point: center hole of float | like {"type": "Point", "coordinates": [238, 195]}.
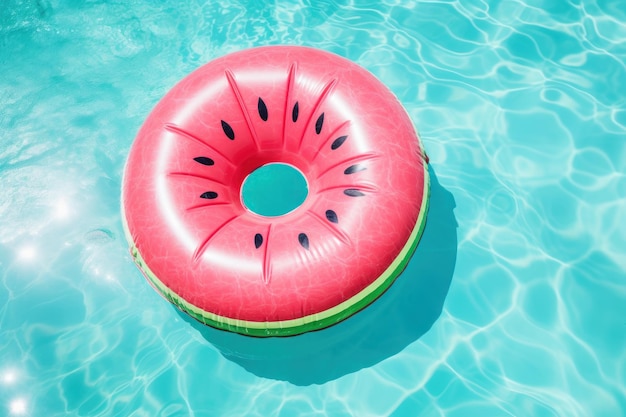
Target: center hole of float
{"type": "Point", "coordinates": [274, 190]}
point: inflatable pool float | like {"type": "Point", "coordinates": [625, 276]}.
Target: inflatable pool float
{"type": "Point", "coordinates": [231, 268]}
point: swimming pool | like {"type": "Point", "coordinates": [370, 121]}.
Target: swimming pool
{"type": "Point", "coordinates": [513, 305]}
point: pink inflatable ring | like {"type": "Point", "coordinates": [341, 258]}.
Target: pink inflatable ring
{"type": "Point", "coordinates": [228, 267]}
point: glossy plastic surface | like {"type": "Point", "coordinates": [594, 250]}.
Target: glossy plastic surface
{"type": "Point", "coordinates": [228, 267]}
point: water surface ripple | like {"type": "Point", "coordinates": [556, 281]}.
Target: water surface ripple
{"type": "Point", "coordinates": [522, 108]}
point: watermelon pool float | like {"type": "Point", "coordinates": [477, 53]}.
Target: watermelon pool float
{"type": "Point", "coordinates": [227, 266]}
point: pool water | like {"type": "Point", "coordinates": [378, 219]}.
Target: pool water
{"type": "Point", "coordinates": [513, 305]}
{"type": "Point", "coordinates": [274, 189]}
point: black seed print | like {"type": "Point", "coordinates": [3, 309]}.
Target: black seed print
{"type": "Point", "coordinates": [353, 192]}
{"type": "Point", "coordinates": [332, 216]}
{"type": "Point", "coordinates": [228, 130]}
{"type": "Point", "coordinates": [304, 240]}
{"type": "Point", "coordinates": [294, 112]}
{"type": "Point", "coordinates": [204, 160]}
{"type": "Point", "coordinates": [258, 240]}
{"type": "Point", "coordinates": [319, 123]}
{"type": "Point", "coordinates": [262, 109]}
{"type": "Point", "coordinates": [354, 168]}
{"type": "Point", "coordinates": [338, 142]}
{"type": "Point", "coordinates": [209, 195]}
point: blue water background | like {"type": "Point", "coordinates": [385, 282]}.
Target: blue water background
{"type": "Point", "coordinates": [514, 304]}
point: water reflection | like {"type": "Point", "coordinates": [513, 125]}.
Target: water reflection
{"type": "Point", "coordinates": [9, 377]}
{"type": "Point", "coordinates": [27, 253]}
{"type": "Point", "coordinates": [18, 406]}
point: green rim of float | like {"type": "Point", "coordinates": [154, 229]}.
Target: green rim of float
{"type": "Point", "coordinates": [304, 324]}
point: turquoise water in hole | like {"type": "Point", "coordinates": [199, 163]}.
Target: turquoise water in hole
{"type": "Point", "coordinates": [513, 305]}
{"type": "Point", "coordinates": [274, 190]}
